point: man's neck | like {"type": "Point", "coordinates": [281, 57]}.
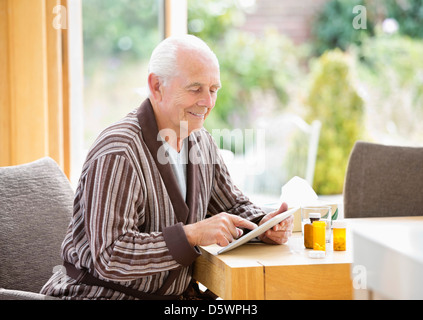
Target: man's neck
{"type": "Point", "coordinates": [174, 143]}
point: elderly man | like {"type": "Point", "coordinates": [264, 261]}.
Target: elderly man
{"type": "Point", "coordinates": [147, 185]}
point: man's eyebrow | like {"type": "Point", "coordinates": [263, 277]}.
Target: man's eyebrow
{"type": "Point", "coordinates": [199, 84]}
{"type": "Point", "coordinates": [193, 84]}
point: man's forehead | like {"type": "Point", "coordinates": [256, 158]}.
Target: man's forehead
{"type": "Point", "coordinates": [198, 68]}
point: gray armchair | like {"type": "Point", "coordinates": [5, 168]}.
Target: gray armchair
{"type": "Point", "coordinates": [36, 201]}
{"type": "Point", "coordinates": [383, 181]}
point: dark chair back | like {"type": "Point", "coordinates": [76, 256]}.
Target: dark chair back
{"type": "Point", "coordinates": [383, 181]}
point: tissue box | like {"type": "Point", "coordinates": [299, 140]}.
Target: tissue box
{"type": "Point", "coordinates": [297, 214]}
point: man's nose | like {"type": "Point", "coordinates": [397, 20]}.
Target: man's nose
{"type": "Point", "coordinates": [207, 100]}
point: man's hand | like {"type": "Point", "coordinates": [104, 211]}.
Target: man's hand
{"type": "Point", "coordinates": [280, 233]}
{"type": "Point", "coordinates": [221, 229]}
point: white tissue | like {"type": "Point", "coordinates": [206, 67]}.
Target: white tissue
{"type": "Point", "coordinates": [297, 192]}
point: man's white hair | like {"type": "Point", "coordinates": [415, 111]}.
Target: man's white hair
{"type": "Point", "coordinates": [163, 61]}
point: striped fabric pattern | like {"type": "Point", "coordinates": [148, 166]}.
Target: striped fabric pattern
{"type": "Point", "coordinates": [129, 212]}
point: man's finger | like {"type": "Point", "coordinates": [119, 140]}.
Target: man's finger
{"type": "Point", "coordinates": [242, 223]}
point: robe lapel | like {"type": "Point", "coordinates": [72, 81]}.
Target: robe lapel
{"type": "Point", "coordinates": [185, 212]}
{"type": "Point", "coordinates": [193, 183]}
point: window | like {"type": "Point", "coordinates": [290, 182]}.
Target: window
{"type": "Point", "coordinates": [119, 37]}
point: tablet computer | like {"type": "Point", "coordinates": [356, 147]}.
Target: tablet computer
{"type": "Point", "coordinates": [259, 230]}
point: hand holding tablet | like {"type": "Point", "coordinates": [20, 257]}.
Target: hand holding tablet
{"type": "Point", "coordinates": [279, 233]}
{"type": "Point", "coordinates": [258, 231]}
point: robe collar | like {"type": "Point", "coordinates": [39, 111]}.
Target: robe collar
{"type": "Point", "coordinates": [186, 212]}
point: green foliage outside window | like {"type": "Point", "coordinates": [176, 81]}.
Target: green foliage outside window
{"type": "Point", "coordinates": [333, 26]}
{"type": "Point", "coordinates": [408, 14]}
{"type": "Point", "coordinates": [388, 70]}
{"type": "Point", "coordinates": [334, 101]}
{"type": "Point", "coordinates": [119, 37]}
{"type": "Point", "coordinates": [391, 76]}
{"type": "Point", "coordinates": [124, 29]}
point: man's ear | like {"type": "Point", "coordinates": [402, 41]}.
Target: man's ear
{"type": "Point", "coordinates": [155, 86]}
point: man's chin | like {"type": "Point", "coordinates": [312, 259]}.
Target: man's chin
{"type": "Point", "coordinates": [195, 129]}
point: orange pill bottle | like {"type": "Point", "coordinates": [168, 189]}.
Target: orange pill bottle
{"type": "Point", "coordinates": [308, 230]}
{"type": "Point", "coordinates": [319, 235]}
{"type": "Point", "coordinates": [339, 228]}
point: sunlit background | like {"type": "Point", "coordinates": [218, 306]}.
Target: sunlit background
{"type": "Point", "coordinates": [312, 74]}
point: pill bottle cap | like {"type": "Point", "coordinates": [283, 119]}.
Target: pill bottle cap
{"type": "Point", "coordinates": [316, 254]}
{"type": "Point", "coordinates": [314, 215]}
{"type": "Point", "coordinates": [341, 224]}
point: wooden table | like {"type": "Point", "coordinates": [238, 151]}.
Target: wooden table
{"type": "Point", "coordinates": [261, 271]}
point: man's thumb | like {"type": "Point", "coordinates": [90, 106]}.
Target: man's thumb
{"type": "Point", "coordinates": [282, 208]}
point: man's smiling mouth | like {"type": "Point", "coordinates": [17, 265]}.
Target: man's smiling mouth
{"type": "Point", "coordinates": [198, 115]}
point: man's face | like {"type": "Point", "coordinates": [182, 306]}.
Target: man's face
{"type": "Point", "coordinates": [189, 97]}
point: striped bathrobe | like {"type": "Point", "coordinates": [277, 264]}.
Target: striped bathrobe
{"type": "Point", "coordinates": [127, 224]}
